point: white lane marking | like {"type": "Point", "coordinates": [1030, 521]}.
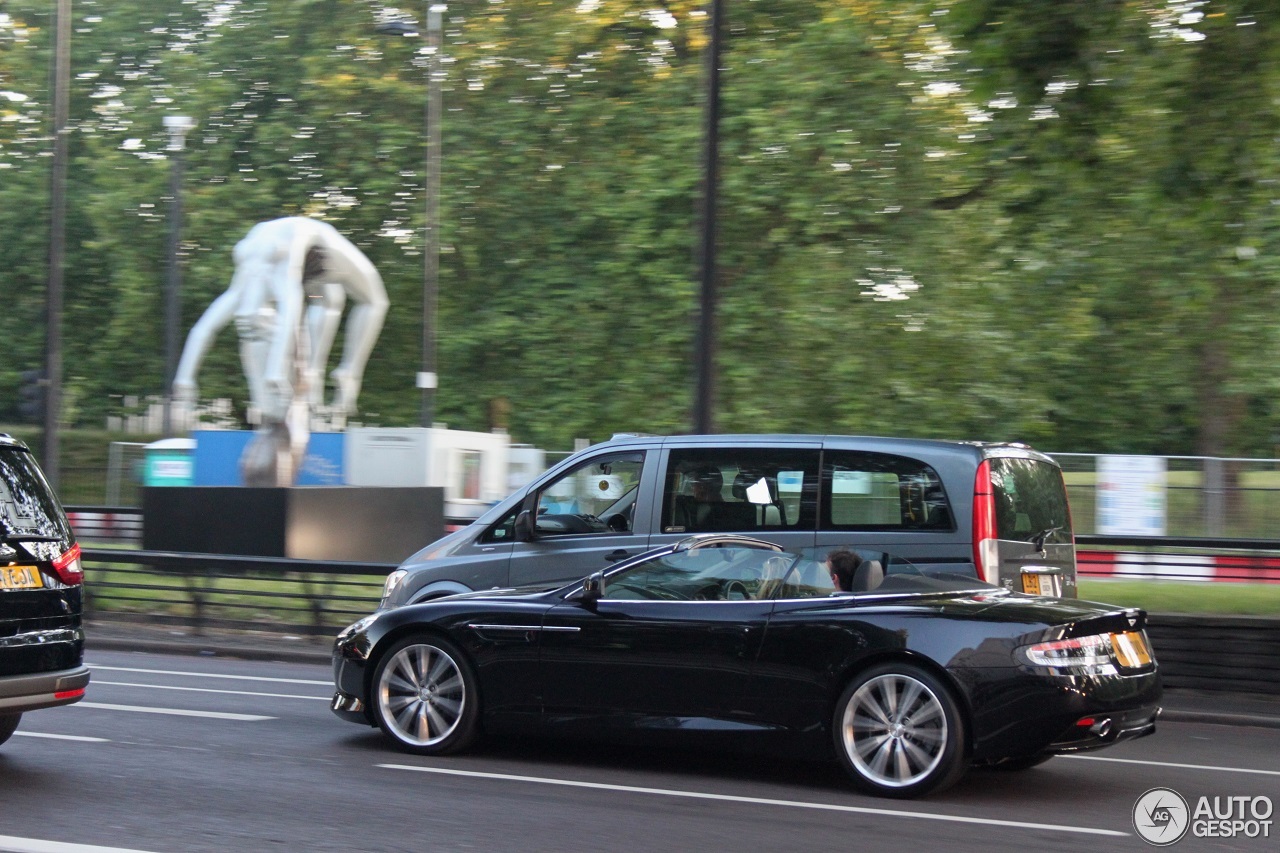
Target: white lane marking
{"type": "Point", "coordinates": [11, 844]}
{"type": "Point", "coordinates": [1173, 764]}
{"type": "Point", "coordinates": [176, 712]}
{"type": "Point", "coordinates": [795, 804]}
{"type": "Point", "coordinates": [62, 737]}
{"type": "Point", "coordinates": [209, 690]}
{"type": "Point", "coordinates": [95, 666]}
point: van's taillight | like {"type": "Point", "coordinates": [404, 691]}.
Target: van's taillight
{"type": "Point", "coordinates": [68, 567]}
{"type": "Point", "coordinates": [986, 554]}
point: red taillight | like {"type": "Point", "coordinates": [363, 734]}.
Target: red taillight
{"type": "Point", "coordinates": [69, 694]}
{"type": "Point", "coordinates": [68, 567]}
{"type": "Point", "coordinates": [984, 525]}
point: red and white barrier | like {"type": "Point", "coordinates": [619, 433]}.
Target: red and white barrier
{"type": "Point", "coordinates": [1178, 567]}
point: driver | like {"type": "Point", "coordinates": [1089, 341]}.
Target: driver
{"type": "Point", "coordinates": [843, 565]}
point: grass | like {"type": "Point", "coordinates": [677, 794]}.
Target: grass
{"type": "Point", "coordinates": [1238, 599]}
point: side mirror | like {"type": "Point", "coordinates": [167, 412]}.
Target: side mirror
{"type": "Point", "coordinates": [524, 527]}
{"type": "Point", "coordinates": [593, 589]}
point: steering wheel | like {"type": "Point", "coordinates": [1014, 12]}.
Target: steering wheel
{"type": "Point", "coordinates": [736, 591]}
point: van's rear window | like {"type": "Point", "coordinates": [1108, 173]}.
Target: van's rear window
{"type": "Point", "coordinates": [27, 505]}
{"type": "Point", "coordinates": [1031, 500]}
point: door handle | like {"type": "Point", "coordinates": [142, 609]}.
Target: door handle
{"type": "Point", "coordinates": [617, 555]}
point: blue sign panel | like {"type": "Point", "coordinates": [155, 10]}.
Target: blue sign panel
{"type": "Point", "coordinates": [217, 458]}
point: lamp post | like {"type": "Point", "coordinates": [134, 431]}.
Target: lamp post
{"type": "Point", "coordinates": [178, 127]}
{"type": "Point", "coordinates": [57, 243]}
{"type": "Point", "coordinates": [705, 344]}
{"type": "Point", "coordinates": [427, 378]}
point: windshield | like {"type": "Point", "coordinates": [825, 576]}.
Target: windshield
{"type": "Point", "coordinates": [1030, 501]}
{"type": "Point", "coordinates": [27, 506]}
{"type": "Point", "coordinates": [741, 572]}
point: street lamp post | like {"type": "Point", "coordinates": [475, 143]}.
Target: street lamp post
{"type": "Point", "coordinates": [57, 243]}
{"type": "Point", "coordinates": [704, 391]}
{"type": "Point", "coordinates": [178, 127]}
{"type": "Point", "coordinates": [431, 238]}
{"type": "Point", "coordinates": [427, 378]}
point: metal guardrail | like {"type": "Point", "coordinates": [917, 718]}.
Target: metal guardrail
{"type": "Point", "coordinates": [1179, 558]}
{"type": "Point", "coordinates": [226, 591]}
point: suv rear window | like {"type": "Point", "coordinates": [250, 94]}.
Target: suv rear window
{"type": "Point", "coordinates": [878, 491]}
{"type": "Point", "coordinates": [1030, 500]}
{"type": "Point", "coordinates": [27, 505]}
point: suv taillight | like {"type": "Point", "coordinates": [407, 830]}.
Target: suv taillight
{"type": "Point", "coordinates": [985, 546]}
{"type": "Point", "coordinates": [68, 567]}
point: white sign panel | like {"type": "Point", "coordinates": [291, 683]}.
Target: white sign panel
{"type": "Point", "coordinates": [1131, 495]}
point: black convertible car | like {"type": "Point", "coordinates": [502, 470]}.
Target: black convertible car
{"type": "Point", "coordinates": [909, 678]}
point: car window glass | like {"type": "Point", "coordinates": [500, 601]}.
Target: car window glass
{"type": "Point", "coordinates": [739, 490]}
{"type": "Point", "coordinates": [878, 491]}
{"type": "Point", "coordinates": [502, 530]}
{"type": "Point", "coordinates": [1030, 500]}
{"type": "Point", "coordinates": [27, 504]}
{"type": "Point", "coordinates": [597, 496]}
{"type": "Point", "coordinates": [702, 574]}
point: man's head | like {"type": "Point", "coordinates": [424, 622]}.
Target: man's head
{"type": "Point", "coordinates": [842, 565]}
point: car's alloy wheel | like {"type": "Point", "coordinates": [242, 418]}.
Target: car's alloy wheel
{"type": "Point", "coordinates": [899, 733]}
{"type": "Point", "coordinates": [8, 725]}
{"type": "Point", "coordinates": [424, 696]}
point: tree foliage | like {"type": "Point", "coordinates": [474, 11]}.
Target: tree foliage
{"type": "Point", "coordinates": [1050, 221]}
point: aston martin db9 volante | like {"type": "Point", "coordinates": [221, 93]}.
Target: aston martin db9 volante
{"type": "Point", "coordinates": [907, 678]}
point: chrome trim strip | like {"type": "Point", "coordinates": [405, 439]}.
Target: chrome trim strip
{"type": "Point", "coordinates": [523, 628]}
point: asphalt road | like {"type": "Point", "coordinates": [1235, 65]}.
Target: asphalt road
{"type": "Point", "coordinates": [173, 753]}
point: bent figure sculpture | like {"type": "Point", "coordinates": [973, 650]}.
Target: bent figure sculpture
{"type": "Point", "coordinates": [292, 278]}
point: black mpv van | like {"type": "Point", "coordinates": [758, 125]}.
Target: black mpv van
{"type": "Point", "coordinates": [995, 511]}
{"type": "Point", "coordinates": [41, 639]}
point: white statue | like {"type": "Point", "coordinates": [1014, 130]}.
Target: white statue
{"type": "Point", "coordinates": [292, 278]}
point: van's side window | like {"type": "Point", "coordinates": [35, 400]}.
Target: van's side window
{"type": "Point", "coordinates": [503, 530]}
{"type": "Point", "coordinates": [878, 491]}
{"type": "Point", "coordinates": [598, 496]}
{"type": "Point", "coordinates": [739, 490]}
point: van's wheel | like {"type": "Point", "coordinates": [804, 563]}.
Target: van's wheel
{"type": "Point", "coordinates": [899, 733]}
{"type": "Point", "coordinates": [425, 696]}
{"type": "Point", "coordinates": [8, 725]}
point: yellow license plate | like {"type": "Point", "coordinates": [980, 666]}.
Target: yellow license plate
{"type": "Point", "coordinates": [1131, 649]}
{"type": "Point", "coordinates": [20, 577]}
{"type": "Point", "coordinates": [1030, 584]}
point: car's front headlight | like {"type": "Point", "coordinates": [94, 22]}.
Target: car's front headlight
{"type": "Point", "coordinates": [391, 584]}
{"type": "Point", "coordinates": [356, 627]}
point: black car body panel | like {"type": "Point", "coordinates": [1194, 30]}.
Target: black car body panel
{"type": "Point", "coordinates": [770, 665]}
{"type": "Point", "coordinates": [41, 636]}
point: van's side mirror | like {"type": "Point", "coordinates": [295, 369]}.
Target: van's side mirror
{"type": "Point", "coordinates": [593, 589]}
{"type": "Point", "coordinates": [524, 529]}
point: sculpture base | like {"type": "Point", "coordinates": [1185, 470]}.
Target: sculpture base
{"type": "Point", "coordinates": [348, 524]}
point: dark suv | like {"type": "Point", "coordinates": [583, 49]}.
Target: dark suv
{"type": "Point", "coordinates": [995, 511]}
{"type": "Point", "coordinates": [41, 640]}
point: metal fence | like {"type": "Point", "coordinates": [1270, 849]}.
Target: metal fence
{"type": "Point", "coordinates": [220, 591]}
{"type": "Point", "coordinates": [1205, 496]}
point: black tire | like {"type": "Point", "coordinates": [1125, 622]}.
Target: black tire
{"type": "Point", "coordinates": [424, 696]}
{"type": "Point", "coordinates": [8, 725]}
{"type": "Point", "coordinates": [899, 733]}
